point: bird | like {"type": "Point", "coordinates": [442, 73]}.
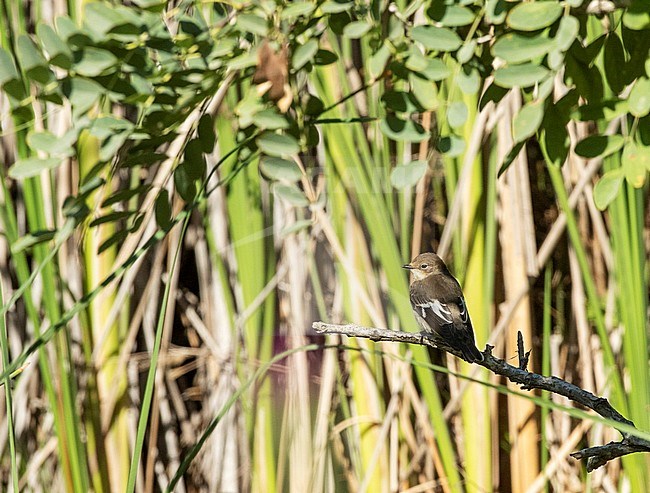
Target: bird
{"type": "Point", "coordinates": [439, 306]}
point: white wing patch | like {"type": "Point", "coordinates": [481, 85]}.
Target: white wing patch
{"type": "Point", "coordinates": [439, 309]}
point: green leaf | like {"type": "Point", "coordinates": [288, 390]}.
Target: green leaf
{"type": "Point", "coordinates": [527, 121]}
{"type": "Point", "coordinates": [613, 62]}
{"type": "Point", "coordinates": [400, 101]}
{"type": "Point", "coordinates": [185, 185]}
{"type": "Point", "coordinates": [277, 168]}
{"type": "Point", "coordinates": [517, 48]}
{"type": "Point", "coordinates": [510, 157]}
{"type": "Point", "coordinates": [33, 166]}
{"type": "Point", "coordinates": [524, 75]}
{"type": "Point", "coordinates": [297, 9]}
{"type": "Point", "coordinates": [51, 144]}
{"type": "Point", "coordinates": [436, 38]}
{"type": "Point", "coordinates": [95, 61]}
{"type": "Point", "coordinates": [291, 194]}
{"type": "Point", "coordinates": [424, 91]}
{"type": "Point", "coordinates": [111, 217]}
{"type": "Point", "coordinates": [206, 133]}
{"type": "Point", "coordinates": [567, 32]}
{"type": "Point", "coordinates": [378, 60]}
{"type": "Point", "coordinates": [531, 16]}
{"type": "Point", "coordinates": [103, 19]}
{"type": "Point", "coordinates": [607, 188]}
{"type": "Point", "coordinates": [163, 210]}
{"type": "Point", "coordinates": [554, 136]}
{"type": "Point", "coordinates": [241, 62]}
{"type": "Point", "coordinates": [194, 160]}
{"type": "Point", "coordinates": [32, 60]}
{"type": "Point", "coordinates": [607, 110]}
{"type": "Point", "coordinates": [356, 29]}
{"type": "Point", "coordinates": [278, 144]}
{"type": "Point", "coordinates": [451, 145]}
{"type": "Point", "coordinates": [469, 80]}
{"type": "Point", "coordinates": [270, 119]}
{"type": "Point", "coordinates": [637, 15]}
{"type": "Point", "coordinates": [435, 70]}
{"type": "Point", "coordinates": [334, 7]}
{"type": "Point", "coordinates": [599, 146]}
{"type": "Point", "coordinates": [252, 23]}
{"type": "Point", "coordinates": [118, 237]}
{"type": "Point", "coordinates": [397, 129]}
{"type": "Point", "coordinates": [416, 61]}
{"type": "Point", "coordinates": [81, 93]}
{"type": "Point", "coordinates": [57, 50]}
{"type": "Point", "coordinates": [407, 175]}
{"type": "Point", "coordinates": [8, 71]}
{"type": "Point", "coordinates": [457, 114]}
{"type": "Point", "coordinates": [639, 99]}
{"type": "Point", "coordinates": [30, 240]}
{"type": "Point", "coordinates": [450, 15]}
{"type": "Point", "coordinates": [466, 52]}
{"type": "Point", "coordinates": [635, 163]}
{"type": "Point", "coordinates": [304, 54]}
{"type": "Point", "coordinates": [495, 11]}
{"type": "Point", "coordinates": [325, 57]}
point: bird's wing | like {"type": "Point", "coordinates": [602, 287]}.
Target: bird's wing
{"type": "Point", "coordinates": [434, 312]}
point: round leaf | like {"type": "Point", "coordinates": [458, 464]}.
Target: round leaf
{"type": "Point", "coordinates": [436, 38]}
{"type": "Point", "coordinates": [636, 163]}
{"type": "Point", "coordinates": [524, 75]}
{"type": "Point", "coordinates": [278, 144]}
{"type": "Point", "coordinates": [527, 121]}
{"type": "Point", "coordinates": [398, 129]}
{"type": "Point", "coordinates": [640, 98]}
{"type": "Point", "coordinates": [163, 210]}
{"type": "Point", "coordinates": [599, 145]}
{"type": "Point", "coordinates": [451, 145]}
{"type": "Point", "coordinates": [407, 175]}
{"type": "Point", "coordinates": [354, 30]}
{"type": "Point", "coordinates": [95, 61]}
{"type": "Point", "coordinates": [607, 188]}
{"type": "Point", "coordinates": [567, 32]}
{"type": "Point", "coordinates": [33, 166]}
{"type": "Point", "coordinates": [277, 168]}
{"type": "Point", "coordinates": [291, 194]}
{"type": "Point", "coordinates": [435, 70]}
{"type": "Point", "coordinates": [297, 9]}
{"type": "Point", "coordinates": [457, 114]}
{"type": "Point", "coordinates": [517, 48]}
{"type": "Point", "coordinates": [450, 15]}
{"type": "Point", "coordinates": [304, 54]}
{"type": "Point", "coordinates": [531, 16]}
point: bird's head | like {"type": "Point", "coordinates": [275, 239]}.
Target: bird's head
{"type": "Point", "coordinates": [425, 264]}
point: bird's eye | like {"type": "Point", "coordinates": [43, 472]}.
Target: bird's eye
{"type": "Point", "coordinates": [424, 266]}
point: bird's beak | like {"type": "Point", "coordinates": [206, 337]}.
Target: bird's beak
{"type": "Point", "coordinates": [407, 266]}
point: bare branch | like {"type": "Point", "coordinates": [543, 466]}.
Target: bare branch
{"type": "Point", "coordinates": [595, 456]}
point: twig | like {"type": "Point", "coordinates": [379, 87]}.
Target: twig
{"type": "Point", "coordinates": [523, 355]}
{"type": "Point", "coordinates": [595, 456]}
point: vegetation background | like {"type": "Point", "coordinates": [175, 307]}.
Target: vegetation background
{"type": "Point", "coordinates": [187, 185]}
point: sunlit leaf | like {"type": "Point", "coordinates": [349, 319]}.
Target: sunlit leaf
{"type": "Point", "coordinates": [607, 188]}
{"type": "Point", "coordinates": [407, 175]}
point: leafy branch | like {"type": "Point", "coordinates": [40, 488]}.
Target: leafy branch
{"type": "Point", "coordinates": [595, 456]}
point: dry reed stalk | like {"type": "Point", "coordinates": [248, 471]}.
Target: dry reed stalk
{"type": "Point", "coordinates": [518, 252]}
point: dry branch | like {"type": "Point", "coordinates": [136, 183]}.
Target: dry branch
{"type": "Point", "coordinates": [595, 456]}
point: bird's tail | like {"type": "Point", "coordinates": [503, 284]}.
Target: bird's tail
{"type": "Point", "coordinates": [471, 353]}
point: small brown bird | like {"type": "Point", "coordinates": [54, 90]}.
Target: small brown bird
{"type": "Point", "coordinates": [439, 306]}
